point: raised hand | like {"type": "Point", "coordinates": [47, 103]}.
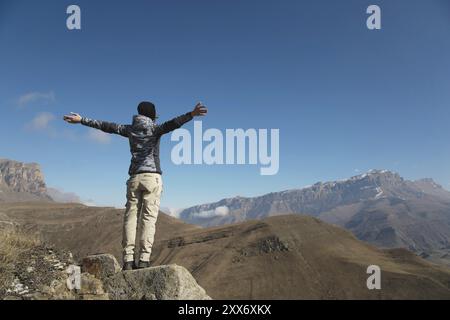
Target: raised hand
{"type": "Point", "coordinates": [72, 118]}
{"type": "Point", "coordinates": [199, 110]}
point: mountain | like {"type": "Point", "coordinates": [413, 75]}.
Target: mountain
{"type": "Point", "coordinates": [379, 207]}
{"type": "Point", "coordinates": [298, 257]}
{"type": "Point", "coordinates": [282, 257]}
{"type": "Point", "coordinates": [21, 182]}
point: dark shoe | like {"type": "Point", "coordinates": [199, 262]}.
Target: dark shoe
{"type": "Point", "coordinates": [143, 264]}
{"type": "Point", "coordinates": [128, 266]}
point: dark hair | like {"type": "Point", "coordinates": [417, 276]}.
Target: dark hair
{"type": "Point", "coordinates": [147, 109]}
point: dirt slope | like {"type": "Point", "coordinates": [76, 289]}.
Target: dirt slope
{"type": "Point", "coordinates": [282, 257]}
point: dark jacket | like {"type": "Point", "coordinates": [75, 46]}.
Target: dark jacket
{"type": "Point", "coordinates": [144, 135]}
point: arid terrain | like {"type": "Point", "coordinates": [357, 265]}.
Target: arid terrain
{"type": "Point", "coordinates": [282, 257]}
{"type": "Point", "coordinates": [379, 207]}
{"type": "Point", "coordinates": [272, 247]}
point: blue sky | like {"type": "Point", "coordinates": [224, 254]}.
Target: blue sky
{"type": "Point", "coordinates": [346, 99]}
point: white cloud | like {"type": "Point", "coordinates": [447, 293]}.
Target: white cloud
{"type": "Point", "coordinates": [174, 212]}
{"type": "Point", "coordinates": [59, 195]}
{"type": "Point", "coordinates": [91, 203]}
{"type": "Point", "coordinates": [35, 97]}
{"type": "Point", "coordinates": [99, 136]}
{"type": "Point", "coordinates": [41, 121]}
{"type": "Point", "coordinates": [217, 212]}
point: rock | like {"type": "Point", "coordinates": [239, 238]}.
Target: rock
{"type": "Point", "coordinates": [102, 279]}
{"type": "Point", "coordinates": [169, 282]}
{"type": "Point", "coordinates": [91, 288]}
{"type": "Point", "coordinates": [36, 296]}
{"type": "Point", "coordinates": [22, 177]}
{"type": "Point", "coordinates": [101, 266]}
{"type": "Point", "coordinates": [58, 291]}
{"type": "Point", "coordinates": [12, 298]}
{"type": "Point", "coordinates": [157, 283]}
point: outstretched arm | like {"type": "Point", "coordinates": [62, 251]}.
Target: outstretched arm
{"type": "Point", "coordinates": [175, 123]}
{"type": "Point", "coordinates": [108, 127]}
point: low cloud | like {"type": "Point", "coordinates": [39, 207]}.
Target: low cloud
{"type": "Point", "coordinates": [59, 195]}
{"type": "Point", "coordinates": [99, 136]}
{"type": "Point", "coordinates": [217, 212]}
{"type": "Point", "coordinates": [91, 203]}
{"type": "Point", "coordinates": [32, 97]}
{"type": "Point", "coordinates": [174, 212]}
{"type": "Point", "coordinates": [41, 121]}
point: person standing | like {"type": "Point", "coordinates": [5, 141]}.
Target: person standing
{"type": "Point", "coordinates": [144, 187]}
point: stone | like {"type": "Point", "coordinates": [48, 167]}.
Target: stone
{"type": "Point", "coordinates": [58, 291]}
{"type": "Point", "coordinates": [12, 298]}
{"type": "Point", "coordinates": [101, 266]}
{"type": "Point", "coordinates": [167, 282]}
{"type": "Point", "coordinates": [23, 177]}
{"type": "Point", "coordinates": [103, 279]}
{"type": "Point", "coordinates": [91, 288]}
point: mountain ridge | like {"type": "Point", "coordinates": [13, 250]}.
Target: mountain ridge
{"type": "Point", "coordinates": [352, 178]}
{"type": "Point", "coordinates": [24, 182]}
{"type": "Point", "coordinates": [379, 206]}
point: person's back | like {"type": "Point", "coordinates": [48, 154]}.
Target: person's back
{"type": "Point", "coordinates": [144, 186]}
{"type": "Point", "coordinates": [144, 146]}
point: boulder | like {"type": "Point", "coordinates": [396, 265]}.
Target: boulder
{"type": "Point", "coordinates": [101, 266]}
{"type": "Point", "coordinates": [167, 282]}
{"type": "Point", "coordinates": [91, 288]}
{"type": "Point", "coordinates": [101, 279]}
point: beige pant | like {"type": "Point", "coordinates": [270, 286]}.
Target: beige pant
{"type": "Point", "coordinates": [143, 194]}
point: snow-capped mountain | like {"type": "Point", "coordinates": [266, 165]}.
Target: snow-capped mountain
{"type": "Point", "coordinates": [379, 206]}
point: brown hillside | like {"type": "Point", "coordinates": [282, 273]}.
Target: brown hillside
{"type": "Point", "coordinates": [283, 257]}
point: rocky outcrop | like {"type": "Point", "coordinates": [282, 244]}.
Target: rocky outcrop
{"type": "Point", "coordinates": [101, 266]}
{"type": "Point", "coordinates": [22, 178]}
{"type": "Point", "coordinates": [166, 282]}
{"type": "Point", "coordinates": [169, 282]}
{"type": "Point", "coordinates": [101, 278]}
{"type": "Point", "coordinates": [24, 182]}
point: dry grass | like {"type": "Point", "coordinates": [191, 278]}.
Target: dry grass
{"type": "Point", "coordinates": [13, 243]}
